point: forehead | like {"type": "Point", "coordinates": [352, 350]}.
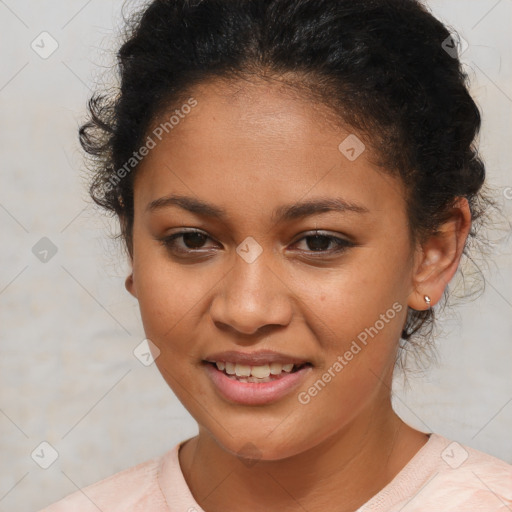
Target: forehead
{"type": "Point", "coordinates": [263, 114]}
{"type": "Point", "coordinates": [250, 145]}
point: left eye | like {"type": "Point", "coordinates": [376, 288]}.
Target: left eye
{"type": "Point", "coordinates": [319, 243]}
{"type": "Point", "coordinates": [194, 240]}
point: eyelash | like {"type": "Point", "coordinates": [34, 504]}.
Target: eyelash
{"type": "Point", "coordinates": [169, 242]}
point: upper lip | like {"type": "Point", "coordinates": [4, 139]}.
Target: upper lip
{"type": "Point", "coordinates": [254, 358]}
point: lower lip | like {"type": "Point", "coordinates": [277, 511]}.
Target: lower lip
{"type": "Point", "coordinates": [252, 393]}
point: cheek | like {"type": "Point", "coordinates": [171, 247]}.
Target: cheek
{"type": "Point", "coordinates": [354, 296]}
{"type": "Point", "coordinates": [166, 294]}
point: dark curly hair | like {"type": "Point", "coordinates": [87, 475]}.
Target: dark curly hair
{"type": "Point", "coordinates": [383, 67]}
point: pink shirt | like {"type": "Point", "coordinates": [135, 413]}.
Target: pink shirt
{"type": "Point", "coordinates": [443, 476]}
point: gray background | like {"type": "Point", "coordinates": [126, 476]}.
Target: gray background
{"type": "Point", "coordinates": [68, 375]}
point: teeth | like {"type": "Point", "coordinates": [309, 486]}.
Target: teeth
{"type": "Point", "coordinates": [259, 372]}
{"type": "Point", "coordinates": [242, 370]}
{"type": "Point", "coordinates": [276, 368]}
{"type": "Point", "coordinates": [230, 368]}
{"type": "Point", "coordinates": [252, 379]}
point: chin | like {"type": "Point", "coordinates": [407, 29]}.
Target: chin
{"type": "Point", "coordinates": [252, 447]}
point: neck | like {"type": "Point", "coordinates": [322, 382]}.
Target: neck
{"type": "Point", "coordinates": [348, 468]}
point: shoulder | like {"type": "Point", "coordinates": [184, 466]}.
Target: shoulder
{"type": "Point", "coordinates": [134, 489]}
{"type": "Point", "coordinates": [467, 479]}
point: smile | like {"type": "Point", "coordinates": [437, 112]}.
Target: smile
{"type": "Point", "coordinates": [256, 374]}
{"type": "Point", "coordinates": [268, 379]}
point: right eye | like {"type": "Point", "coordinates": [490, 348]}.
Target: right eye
{"type": "Point", "coordinates": [192, 240]}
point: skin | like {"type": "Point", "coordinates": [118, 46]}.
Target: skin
{"type": "Point", "coordinates": [249, 148]}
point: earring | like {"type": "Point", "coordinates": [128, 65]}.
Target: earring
{"type": "Point", "coordinates": [427, 300]}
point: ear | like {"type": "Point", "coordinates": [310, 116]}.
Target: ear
{"type": "Point", "coordinates": [439, 256]}
{"type": "Point", "coordinates": [129, 282]}
{"type": "Point", "coordinates": [130, 285]}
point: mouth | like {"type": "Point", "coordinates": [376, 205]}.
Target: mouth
{"type": "Point", "coordinates": [269, 377]}
{"type": "Point", "coordinates": [256, 374]}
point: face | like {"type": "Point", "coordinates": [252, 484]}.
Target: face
{"type": "Point", "coordinates": [267, 277]}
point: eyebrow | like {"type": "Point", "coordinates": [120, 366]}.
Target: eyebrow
{"type": "Point", "coordinates": [282, 214]}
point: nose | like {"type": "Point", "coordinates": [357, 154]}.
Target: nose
{"type": "Point", "coordinates": [251, 298]}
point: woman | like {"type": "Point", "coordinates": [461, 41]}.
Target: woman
{"type": "Point", "coordinates": [296, 182]}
